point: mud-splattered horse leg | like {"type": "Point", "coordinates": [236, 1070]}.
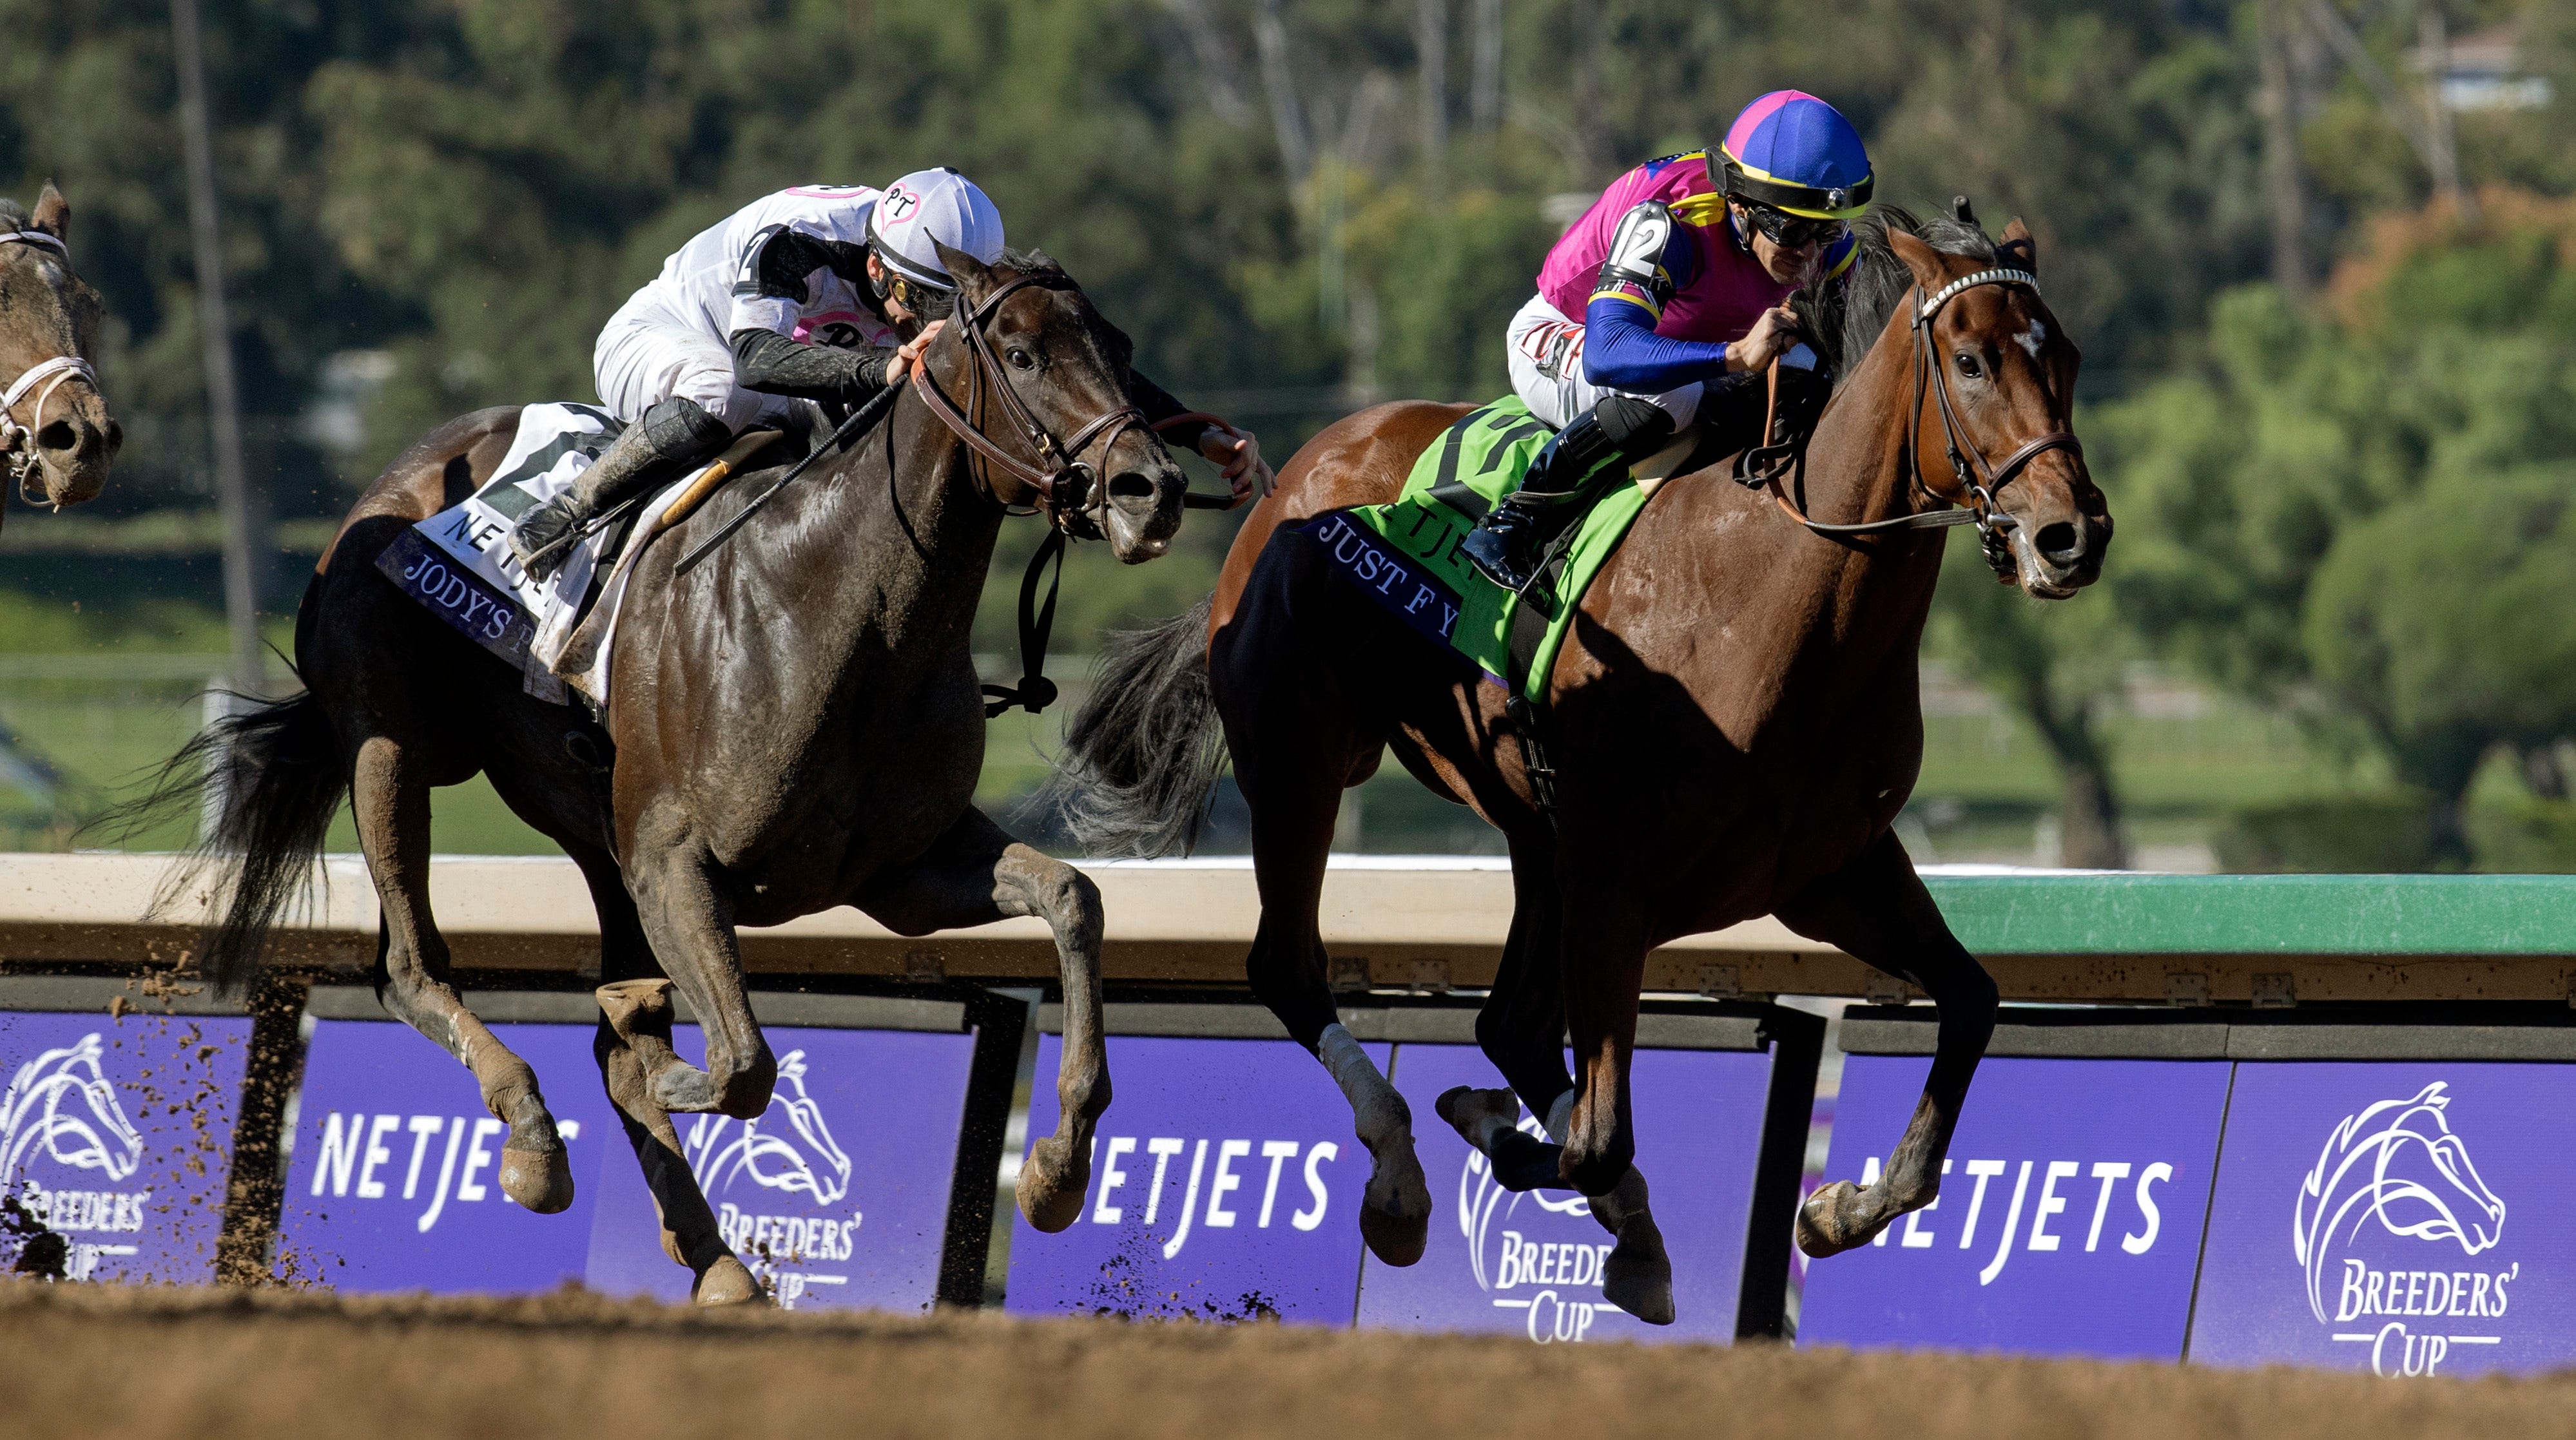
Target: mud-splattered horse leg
{"type": "Point", "coordinates": [1521, 1029]}
{"type": "Point", "coordinates": [389, 792]}
{"type": "Point", "coordinates": [977, 874]}
{"type": "Point", "coordinates": [633, 1040]}
{"type": "Point", "coordinates": [1877, 910]}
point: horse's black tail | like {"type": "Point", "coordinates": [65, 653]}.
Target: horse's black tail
{"type": "Point", "coordinates": [1143, 754]}
{"type": "Point", "coordinates": [268, 780]}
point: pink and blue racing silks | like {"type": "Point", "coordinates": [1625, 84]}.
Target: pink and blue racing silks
{"type": "Point", "coordinates": [1661, 279]}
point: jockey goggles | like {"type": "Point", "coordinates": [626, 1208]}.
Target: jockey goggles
{"type": "Point", "coordinates": [1792, 232]}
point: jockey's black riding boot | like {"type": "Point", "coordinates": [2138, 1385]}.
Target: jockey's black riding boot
{"type": "Point", "coordinates": [673, 433]}
{"type": "Point", "coordinates": [1506, 544]}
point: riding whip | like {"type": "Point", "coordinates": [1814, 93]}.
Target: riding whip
{"type": "Point", "coordinates": [859, 421]}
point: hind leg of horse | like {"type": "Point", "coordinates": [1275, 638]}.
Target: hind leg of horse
{"type": "Point", "coordinates": [689, 922]}
{"type": "Point", "coordinates": [1294, 750]}
{"type": "Point", "coordinates": [1877, 910]}
{"type": "Point", "coordinates": [389, 793]}
{"type": "Point", "coordinates": [1522, 1029]}
{"type": "Point", "coordinates": [974, 875]}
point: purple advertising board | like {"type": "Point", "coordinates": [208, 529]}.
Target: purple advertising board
{"type": "Point", "coordinates": [836, 1197]}
{"type": "Point", "coordinates": [393, 1184]}
{"type": "Point", "coordinates": [2070, 1215]}
{"type": "Point", "coordinates": [2389, 1217]}
{"type": "Point", "coordinates": [1225, 1184]}
{"type": "Point", "coordinates": [115, 1141]}
{"type": "Point", "coordinates": [1530, 1264]}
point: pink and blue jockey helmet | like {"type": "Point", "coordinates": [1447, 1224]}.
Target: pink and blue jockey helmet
{"type": "Point", "coordinates": [1793, 152]}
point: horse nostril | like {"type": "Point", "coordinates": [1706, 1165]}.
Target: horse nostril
{"type": "Point", "coordinates": [1132, 490]}
{"type": "Point", "coordinates": [59, 435]}
{"type": "Point", "coordinates": [2061, 542]}
{"type": "Point", "coordinates": [115, 437]}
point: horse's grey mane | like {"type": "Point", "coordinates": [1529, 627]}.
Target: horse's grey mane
{"type": "Point", "coordinates": [1848, 317]}
{"type": "Point", "coordinates": [13, 216]}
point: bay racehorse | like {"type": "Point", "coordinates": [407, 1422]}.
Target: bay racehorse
{"type": "Point", "coordinates": [795, 725]}
{"type": "Point", "coordinates": [55, 432]}
{"type": "Point", "coordinates": [1733, 724]}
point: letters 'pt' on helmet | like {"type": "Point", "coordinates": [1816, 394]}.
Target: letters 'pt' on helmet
{"type": "Point", "coordinates": [929, 205]}
{"type": "Point", "coordinates": [1793, 152]}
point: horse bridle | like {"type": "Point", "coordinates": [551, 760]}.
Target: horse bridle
{"type": "Point", "coordinates": [1766, 465]}
{"type": "Point", "coordinates": [1067, 486]}
{"type": "Point", "coordinates": [17, 441]}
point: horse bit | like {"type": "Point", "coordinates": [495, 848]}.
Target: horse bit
{"type": "Point", "coordinates": [17, 441]}
{"type": "Point", "coordinates": [1766, 465]}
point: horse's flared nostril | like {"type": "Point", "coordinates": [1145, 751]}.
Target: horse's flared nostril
{"type": "Point", "coordinates": [1132, 491]}
{"type": "Point", "coordinates": [2062, 543]}
{"type": "Point", "coordinates": [60, 436]}
{"type": "Point", "coordinates": [115, 437]}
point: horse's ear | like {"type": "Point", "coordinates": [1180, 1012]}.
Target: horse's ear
{"type": "Point", "coordinates": [2019, 250]}
{"type": "Point", "coordinates": [974, 278]}
{"type": "Point", "coordinates": [54, 214]}
{"type": "Point", "coordinates": [1920, 258]}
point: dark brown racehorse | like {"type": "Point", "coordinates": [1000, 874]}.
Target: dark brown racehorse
{"type": "Point", "coordinates": [55, 432]}
{"type": "Point", "coordinates": [796, 725]}
{"type": "Point", "coordinates": [1734, 723]}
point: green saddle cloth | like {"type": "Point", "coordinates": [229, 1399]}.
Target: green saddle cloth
{"type": "Point", "coordinates": [1405, 553]}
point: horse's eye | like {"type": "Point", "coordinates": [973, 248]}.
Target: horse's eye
{"type": "Point", "coordinates": [1021, 358]}
{"type": "Point", "coordinates": [1968, 365]}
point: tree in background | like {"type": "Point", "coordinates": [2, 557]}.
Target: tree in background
{"type": "Point", "coordinates": [2360, 512]}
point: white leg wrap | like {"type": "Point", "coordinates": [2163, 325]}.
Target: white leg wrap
{"type": "Point", "coordinates": [1374, 1104]}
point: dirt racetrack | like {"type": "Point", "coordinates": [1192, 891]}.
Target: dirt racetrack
{"type": "Point", "coordinates": [98, 1363]}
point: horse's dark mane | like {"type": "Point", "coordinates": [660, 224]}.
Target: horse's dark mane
{"type": "Point", "coordinates": [1846, 318]}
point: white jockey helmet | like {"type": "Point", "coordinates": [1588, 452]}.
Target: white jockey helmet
{"type": "Point", "coordinates": [929, 205]}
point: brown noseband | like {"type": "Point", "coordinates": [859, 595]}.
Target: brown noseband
{"type": "Point", "coordinates": [1065, 485]}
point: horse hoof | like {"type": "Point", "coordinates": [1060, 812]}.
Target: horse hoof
{"type": "Point", "coordinates": [541, 1180]}
{"type": "Point", "coordinates": [1830, 1222]}
{"type": "Point", "coordinates": [1638, 1277]}
{"type": "Point", "coordinates": [681, 1088]}
{"type": "Point", "coordinates": [727, 1282]}
{"type": "Point", "coordinates": [1470, 1111]}
{"type": "Point", "coordinates": [1051, 1185]}
{"type": "Point", "coordinates": [1395, 1215]}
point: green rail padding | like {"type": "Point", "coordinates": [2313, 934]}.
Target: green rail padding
{"type": "Point", "coordinates": [2260, 914]}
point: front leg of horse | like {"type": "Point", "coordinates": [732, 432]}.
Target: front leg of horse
{"type": "Point", "coordinates": [1638, 1275]}
{"type": "Point", "coordinates": [1877, 911]}
{"type": "Point", "coordinates": [633, 1043]}
{"type": "Point", "coordinates": [976, 874]}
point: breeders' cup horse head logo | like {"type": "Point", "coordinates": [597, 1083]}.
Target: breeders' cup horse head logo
{"type": "Point", "coordinates": [2399, 1164]}
{"type": "Point", "coordinates": [61, 1107]}
{"type": "Point", "coordinates": [1481, 1201]}
{"type": "Point", "coordinates": [812, 1163]}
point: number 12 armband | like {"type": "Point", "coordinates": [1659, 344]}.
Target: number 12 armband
{"type": "Point", "coordinates": [1638, 268]}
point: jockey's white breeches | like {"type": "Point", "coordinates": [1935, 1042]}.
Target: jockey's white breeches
{"type": "Point", "coordinates": [648, 355]}
{"type": "Point", "coordinates": [1546, 358]}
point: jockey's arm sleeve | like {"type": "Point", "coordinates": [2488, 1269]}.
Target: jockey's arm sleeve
{"type": "Point", "coordinates": [1621, 351]}
{"type": "Point", "coordinates": [772, 364]}
{"type": "Point", "coordinates": [1158, 405]}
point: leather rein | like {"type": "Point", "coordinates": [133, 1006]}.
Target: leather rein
{"type": "Point", "coordinates": [1066, 486]}
{"type": "Point", "coordinates": [1768, 464]}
